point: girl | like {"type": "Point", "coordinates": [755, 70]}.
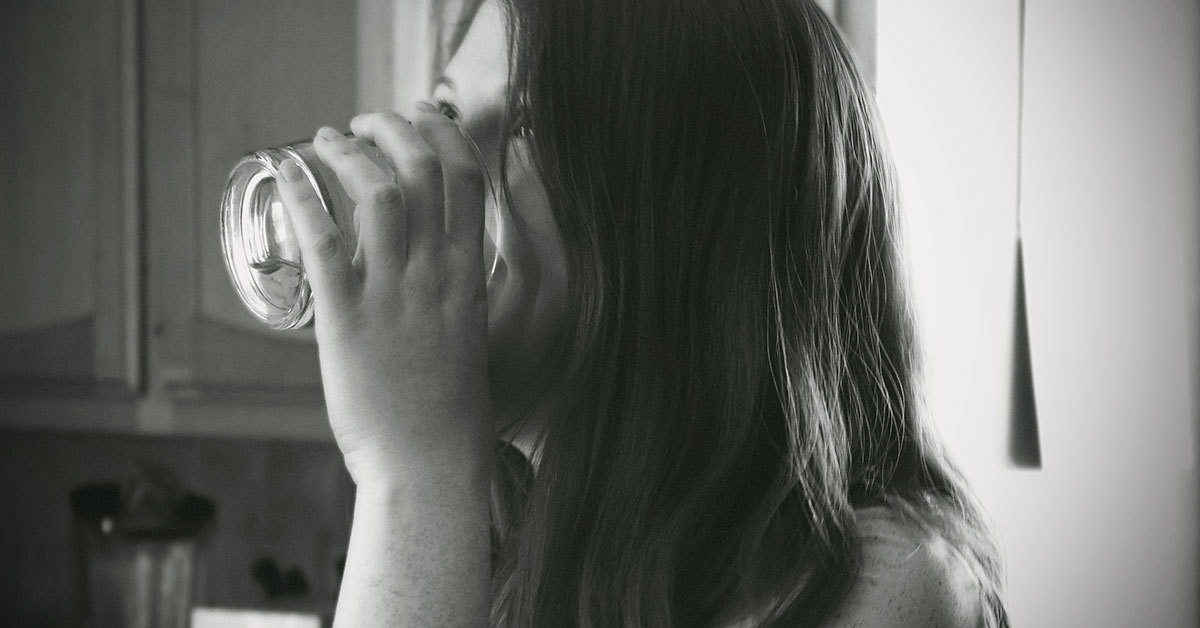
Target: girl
{"type": "Point", "coordinates": [696, 339]}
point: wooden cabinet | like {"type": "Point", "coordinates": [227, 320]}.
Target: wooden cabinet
{"type": "Point", "coordinates": [121, 121]}
{"type": "Point", "coordinates": [224, 78]}
{"type": "Point", "coordinates": [69, 247]}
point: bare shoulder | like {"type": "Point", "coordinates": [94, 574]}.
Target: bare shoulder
{"type": "Point", "coordinates": [909, 576]}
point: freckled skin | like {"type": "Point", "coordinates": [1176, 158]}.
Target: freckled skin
{"type": "Point", "coordinates": [909, 578]}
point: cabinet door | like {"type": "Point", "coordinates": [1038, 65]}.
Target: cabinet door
{"type": "Point", "coordinates": [68, 196]}
{"type": "Point", "coordinates": [223, 78]}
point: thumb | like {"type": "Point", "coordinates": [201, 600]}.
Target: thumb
{"type": "Point", "coordinates": [323, 248]}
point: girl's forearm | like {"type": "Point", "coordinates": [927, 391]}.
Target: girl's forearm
{"type": "Point", "coordinates": [419, 552]}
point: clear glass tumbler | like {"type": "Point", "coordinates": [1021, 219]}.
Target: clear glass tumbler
{"type": "Point", "coordinates": [259, 245]}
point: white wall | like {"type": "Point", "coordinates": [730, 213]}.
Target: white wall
{"type": "Point", "coordinates": [1106, 533]}
{"type": "Point", "coordinates": [403, 45]}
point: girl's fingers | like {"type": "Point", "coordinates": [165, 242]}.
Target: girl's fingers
{"type": "Point", "coordinates": [418, 171]}
{"type": "Point", "coordinates": [322, 247]}
{"type": "Point", "coordinates": [465, 180]}
{"type": "Point", "coordinates": [380, 203]}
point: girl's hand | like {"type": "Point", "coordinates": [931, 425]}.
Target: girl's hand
{"type": "Point", "coordinates": [401, 323]}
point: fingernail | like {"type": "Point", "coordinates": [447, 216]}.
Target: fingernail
{"type": "Point", "coordinates": [290, 171]}
{"type": "Point", "coordinates": [427, 107]}
{"type": "Point", "coordinates": [327, 133]}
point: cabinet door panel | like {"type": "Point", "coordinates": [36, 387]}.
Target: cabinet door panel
{"type": "Point", "coordinates": [223, 79]}
{"type": "Point", "coordinates": [267, 73]}
{"type": "Point", "coordinates": [68, 248]}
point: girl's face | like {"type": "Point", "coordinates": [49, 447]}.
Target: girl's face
{"type": "Point", "coordinates": [527, 291]}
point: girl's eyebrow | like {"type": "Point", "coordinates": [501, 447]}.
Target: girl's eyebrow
{"type": "Point", "coordinates": [446, 81]}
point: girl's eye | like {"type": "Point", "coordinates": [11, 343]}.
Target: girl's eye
{"type": "Point", "coordinates": [447, 109]}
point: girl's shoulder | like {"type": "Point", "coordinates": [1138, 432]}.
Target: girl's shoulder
{"type": "Point", "coordinates": [910, 575]}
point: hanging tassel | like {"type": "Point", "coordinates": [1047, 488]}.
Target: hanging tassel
{"type": "Point", "coordinates": [1024, 443]}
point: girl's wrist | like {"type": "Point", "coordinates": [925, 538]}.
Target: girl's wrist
{"type": "Point", "coordinates": [420, 547]}
{"type": "Point", "coordinates": [463, 467]}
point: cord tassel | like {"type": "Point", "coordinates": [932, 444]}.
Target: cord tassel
{"type": "Point", "coordinates": [1024, 443]}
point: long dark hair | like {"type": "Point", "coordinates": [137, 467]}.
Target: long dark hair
{"type": "Point", "coordinates": [743, 364]}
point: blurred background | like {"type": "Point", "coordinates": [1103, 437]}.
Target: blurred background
{"type": "Point", "coordinates": [1065, 384]}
